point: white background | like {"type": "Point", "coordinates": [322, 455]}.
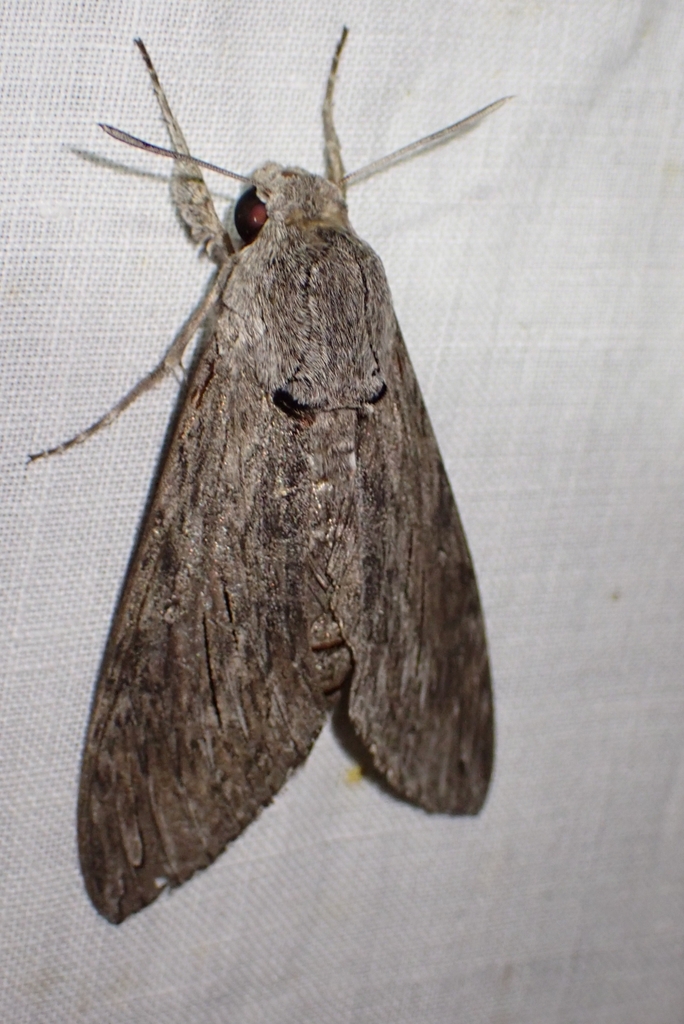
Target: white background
{"type": "Point", "coordinates": [537, 268]}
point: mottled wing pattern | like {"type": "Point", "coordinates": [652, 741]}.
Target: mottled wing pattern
{"type": "Point", "coordinates": [205, 699]}
{"type": "Point", "coordinates": [421, 696]}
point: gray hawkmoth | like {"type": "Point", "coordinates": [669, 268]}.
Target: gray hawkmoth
{"type": "Point", "coordinates": [301, 550]}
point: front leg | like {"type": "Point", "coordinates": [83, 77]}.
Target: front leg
{"type": "Point", "coordinates": [169, 364]}
{"type": "Point", "coordinates": [189, 192]}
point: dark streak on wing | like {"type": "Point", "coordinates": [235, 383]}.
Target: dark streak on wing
{"type": "Point", "coordinates": [210, 674]}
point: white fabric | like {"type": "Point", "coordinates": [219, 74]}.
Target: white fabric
{"type": "Point", "coordinates": [537, 268]}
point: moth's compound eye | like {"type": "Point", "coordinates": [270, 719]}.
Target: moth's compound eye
{"type": "Point", "coordinates": [250, 215]}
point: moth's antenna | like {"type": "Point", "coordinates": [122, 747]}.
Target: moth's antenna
{"type": "Point", "coordinates": [334, 168]}
{"type": "Point", "coordinates": [185, 158]}
{"type": "Point", "coordinates": [430, 140]}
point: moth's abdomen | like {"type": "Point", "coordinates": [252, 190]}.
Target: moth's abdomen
{"type": "Point", "coordinates": [333, 659]}
{"type": "Point", "coordinates": [332, 531]}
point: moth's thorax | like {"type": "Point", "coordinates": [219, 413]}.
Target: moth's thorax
{"type": "Point", "coordinates": [297, 197]}
{"type": "Point", "coordinates": [308, 299]}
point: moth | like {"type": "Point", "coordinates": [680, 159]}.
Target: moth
{"type": "Point", "coordinates": [301, 550]}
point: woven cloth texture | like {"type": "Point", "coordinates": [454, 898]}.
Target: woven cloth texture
{"type": "Point", "coordinates": [537, 269]}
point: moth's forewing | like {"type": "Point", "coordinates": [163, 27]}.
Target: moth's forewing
{"type": "Point", "coordinates": [205, 699]}
{"type": "Point", "coordinates": [421, 695]}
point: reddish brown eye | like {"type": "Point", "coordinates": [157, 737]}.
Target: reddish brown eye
{"type": "Point", "coordinates": [250, 215]}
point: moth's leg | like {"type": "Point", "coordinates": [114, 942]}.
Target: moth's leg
{"type": "Point", "coordinates": [189, 192]}
{"type": "Point", "coordinates": [169, 364]}
{"type": "Point", "coordinates": [334, 168]}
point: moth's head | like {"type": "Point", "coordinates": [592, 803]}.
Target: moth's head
{"type": "Point", "coordinates": [289, 196]}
